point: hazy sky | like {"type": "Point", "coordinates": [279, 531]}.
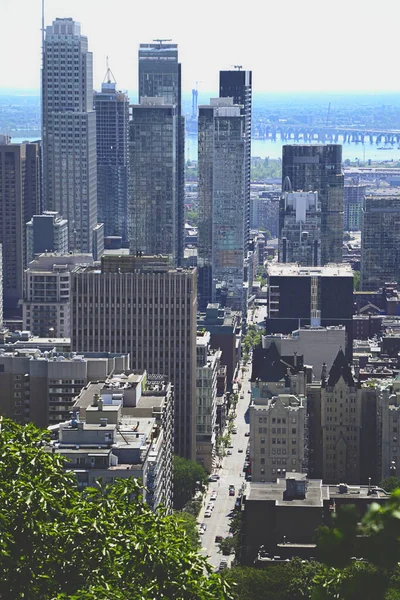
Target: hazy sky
{"type": "Point", "coordinates": [289, 45]}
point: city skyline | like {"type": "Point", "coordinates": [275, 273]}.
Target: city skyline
{"type": "Point", "coordinates": [266, 46]}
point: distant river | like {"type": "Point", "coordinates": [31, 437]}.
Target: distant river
{"type": "Point", "coordinates": [273, 149]}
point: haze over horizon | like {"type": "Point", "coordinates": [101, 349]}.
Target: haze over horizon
{"type": "Point", "coordinates": [290, 47]}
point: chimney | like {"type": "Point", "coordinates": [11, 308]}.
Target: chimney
{"type": "Point", "coordinates": [95, 399]}
{"type": "Point", "coordinates": [100, 404]}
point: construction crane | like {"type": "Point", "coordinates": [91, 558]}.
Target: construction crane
{"type": "Point", "coordinates": [109, 77]}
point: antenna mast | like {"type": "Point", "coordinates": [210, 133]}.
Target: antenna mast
{"type": "Point", "coordinates": [162, 40]}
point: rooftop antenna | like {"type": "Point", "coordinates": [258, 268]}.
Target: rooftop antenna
{"type": "Point", "coordinates": [238, 67]}
{"type": "Point", "coordinates": [162, 40]}
{"type": "Point", "coordinates": [109, 77]}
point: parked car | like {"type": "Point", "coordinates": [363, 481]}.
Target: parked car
{"type": "Point", "coordinates": [229, 452]}
{"type": "Point", "coordinates": [213, 478]}
{"type": "Point", "coordinates": [213, 495]}
{"type": "Point", "coordinates": [208, 514]}
{"type": "Point", "coordinates": [247, 434]}
{"type": "Point", "coordinates": [240, 449]}
{"type": "Point", "coordinates": [202, 527]}
{"type": "Point", "coordinates": [223, 565]}
{"type": "Point", "coordinates": [231, 490]}
{"type": "Point", "coordinates": [210, 506]}
{"type": "Point", "coordinates": [218, 538]}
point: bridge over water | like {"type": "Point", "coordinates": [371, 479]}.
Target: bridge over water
{"type": "Point", "coordinates": [312, 133]}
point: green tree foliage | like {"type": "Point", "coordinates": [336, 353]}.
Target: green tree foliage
{"type": "Point", "coordinates": [103, 543]}
{"type": "Point", "coordinates": [375, 538]}
{"type": "Point", "coordinates": [260, 584]}
{"type": "Point", "coordinates": [356, 281]}
{"type": "Point", "coordinates": [227, 545]}
{"type": "Point", "coordinates": [390, 484]}
{"type": "Point", "coordinates": [189, 523]}
{"type": "Point", "coordinates": [192, 507]}
{"type": "Point", "coordinates": [251, 339]}
{"type": "Point", "coordinates": [188, 477]}
{"type": "Point", "coordinates": [266, 168]}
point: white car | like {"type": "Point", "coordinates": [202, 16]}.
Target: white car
{"type": "Point", "coordinates": [229, 452]}
{"type": "Point", "coordinates": [213, 495]}
{"type": "Point", "coordinates": [210, 507]}
{"type": "Point", "coordinates": [208, 513]}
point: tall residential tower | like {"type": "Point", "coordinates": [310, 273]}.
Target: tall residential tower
{"type": "Point", "coordinates": [237, 84]}
{"type": "Point", "coordinates": [222, 208]}
{"type": "Point", "coordinates": [318, 168]}
{"type": "Point", "coordinates": [153, 217]}
{"type": "Point", "coordinates": [112, 116]}
{"type": "Point", "coordinates": [160, 76]}
{"type": "Point", "coordinates": [19, 201]}
{"type": "Point", "coordinates": [69, 131]}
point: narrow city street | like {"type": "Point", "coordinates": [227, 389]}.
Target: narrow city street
{"type": "Point", "coordinates": [231, 473]}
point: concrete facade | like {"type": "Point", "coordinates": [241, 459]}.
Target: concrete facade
{"type": "Point", "coordinates": [142, 306]}
{"type": "Point", "coordinates": [207, 367]}
{"type": "Point", "coordinates": [41, 387]}
{"type": "Point", "coordinates": [47, 232]}
{"type": "Point", "coordinates": [69, 131]}
{"type": "Point", "coordinates": [278, 436]}
{"type": "Point", "coordinates": [46, 304]}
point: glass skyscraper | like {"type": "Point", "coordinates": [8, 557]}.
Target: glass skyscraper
{"type": "Point", "coordinates": [318, 168]}
{"type": "Point", "coordinates": [153, 218]}
{"type": "Point", "coordinates": [380, 241]}
{"type": "Point", "coordinates": [222, 208]}
{"type": "Point", "coordinates": [69, 131]}
{"type": "Point", "coordinates": [160, 76]}
{"type": "Point", "coordinates": [112, 117]}
{"type": "Point", "coordinates": [237, 84]}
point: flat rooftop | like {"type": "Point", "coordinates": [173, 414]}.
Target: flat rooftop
{"type": "Point", "coordinates": [293, 269]}
{"type": "Point", "coordinates": [315, 495]}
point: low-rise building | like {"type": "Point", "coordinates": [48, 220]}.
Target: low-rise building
{"type": "Point", "coordinates": [124, 429]}
{"type": "Point", "coordinates": [207, 366]}
{"type": "Point", "coordinates": [225, 327]}
{"type": "Point", "coordinates": [278, 436]}
{"type": "Point", "coordinates": [280, 519]}
{"type": "Point", "coordinates": [40, 387]}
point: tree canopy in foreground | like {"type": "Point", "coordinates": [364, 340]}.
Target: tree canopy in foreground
{"type": "Point", "coordinates": [104, 543]}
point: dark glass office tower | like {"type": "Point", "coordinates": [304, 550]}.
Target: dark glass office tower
{"type": "Point", "coordinates": [318, 168]}
{"type": "Point", "coordinates": [112, 117]}
{"type": "Point", "coordinates": [153, 198]}
{"type": "Point", "coordinates": [238, 85]}
{"type": "Point", "coordinates": [160, 75]}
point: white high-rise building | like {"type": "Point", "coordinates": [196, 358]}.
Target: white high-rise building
{"type": "Point", "coordinates": [69, 131]}
{"type": "Point", "coordinates": [46, 304]}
